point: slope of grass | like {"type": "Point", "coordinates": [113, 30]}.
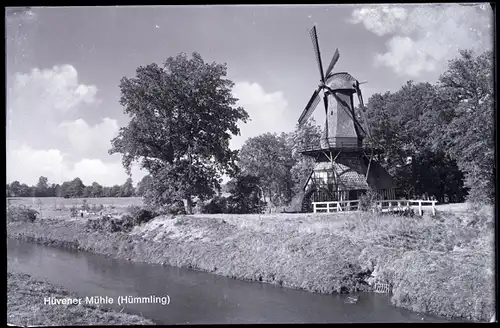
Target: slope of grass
{"type": "Point", "coordinates": [25, 306]}
{"type": "Point", "coordinates": [328, 253]}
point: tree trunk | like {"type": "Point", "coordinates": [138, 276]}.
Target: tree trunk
{"type": "Point", "coordinates": [188, 205]}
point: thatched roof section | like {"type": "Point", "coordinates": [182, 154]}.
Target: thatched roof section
{"type": "Point", "coordinates": [348, 178]}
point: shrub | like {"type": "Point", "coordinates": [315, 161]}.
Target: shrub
{"type": "Point", "coordinates": [73, 211]}
{"type": "Point", "coordinates": [367, 201]}
{"type": "Point", "coordinates": [133, 209]}
{"type": "Point", "coordinates": [143, 216]}
{"type": "Point", "coordinates": [21, 214]}
{"type": "Point", "coordinates": [140, 215]}
{"type": "Point", "coordinates": [97, 208]}
{"type": "Point", "coordinates": [124, 224]}
{"type": "Point", "coordinates": [110, 224]}
{"type": "Point", "coordinates": [216, 205]}
{"type": "Point", "coordinates": [177, 208]}
{"type": "Point", "coordinates": [85, 206]}
{"type": "Point", "coordinates": [480, 215]}
{"type": "Point", "coordinates": [199, 208]}
{"type": "Point", "coordinates": [405, 212]}
{"type": "Point", "coordinates": [245, 195]}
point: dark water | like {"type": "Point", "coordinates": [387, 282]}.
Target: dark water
{"type": "Point", "coordinates": [195, 297]}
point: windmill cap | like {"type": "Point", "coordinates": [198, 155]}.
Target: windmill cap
{"type": "Point", "coordinates": [342, 81]}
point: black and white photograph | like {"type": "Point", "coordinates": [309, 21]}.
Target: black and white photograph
{"type": "Point", "coordinates": [250, 164]}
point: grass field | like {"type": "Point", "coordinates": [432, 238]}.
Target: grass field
{"type": "Point", "coordinates": [50, 202]}
{"type": "Point", "coordinates": [60, 208]}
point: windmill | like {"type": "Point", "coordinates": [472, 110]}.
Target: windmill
{"type": "Point", "coordinates": [345, 141]}
{"type": "Point", "coordinates": [330, 85]}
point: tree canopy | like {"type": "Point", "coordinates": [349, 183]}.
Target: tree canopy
{"type": "Point", "coordinates": [434, 134]}
{"type": "Point", "coordinates": [182, 116]}
{"type": "Point", "coordinates": [468, 134]}
{"type": "Point", "coordinates": [268, 157]}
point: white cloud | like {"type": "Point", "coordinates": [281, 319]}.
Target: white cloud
{"type": "Point", "coordinates": [56, 89]}
{"type": "Point", "coordinates": [425, 37]}
{"type": "Point", "coordinates": [266, 111]}
{"type": "Point", "coordinates": [405, 57]}
{"type": "Point", "coordinates": [380, 20]}
{"type": "Point", "coordinates": [27, 165]}
{"type": "Point", "coordinates": [89, 140]}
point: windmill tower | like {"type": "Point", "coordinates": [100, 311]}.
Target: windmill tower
{"type": "Point", "coordinates": [345, 167]}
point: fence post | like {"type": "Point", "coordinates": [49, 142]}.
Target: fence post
{"type": "Point", "coordinates": [433, 207]}
{"type": "Point", "coordinates": [314, 207]}
{"type": "Point", "coordinates": [327, 207]}
{"type": "Point", "coordinates": [419, 207]}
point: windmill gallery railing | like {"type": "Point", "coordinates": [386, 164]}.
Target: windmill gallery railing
{"type": "Point", "coordinates": [380, 205]}
{"type": "Point", "coordinates": [339, 145]}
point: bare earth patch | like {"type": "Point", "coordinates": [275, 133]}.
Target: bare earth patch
{"type": "Point", "coordinates": [25, 307]}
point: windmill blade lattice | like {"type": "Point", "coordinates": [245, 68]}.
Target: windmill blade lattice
{"type": "Point", "coordinates": [335, 58]}
{"type": "Point", "coordinates": [310, 107]}
{"type": "Point", "coordinates": [314, 38]}
{"type": "Point", "coordinates": [363, 110]}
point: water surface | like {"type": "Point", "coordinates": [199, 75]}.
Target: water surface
{"type": "Point", "coordinates": [196, 297]}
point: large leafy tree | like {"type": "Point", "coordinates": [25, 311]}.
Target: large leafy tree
{"type": "Point", "coordinates": [468, 134]}
{"type": "Point", "coordinates": [268, 157]}
{"type": "Point", "coordinates": [403, 125]}
{"type": "Point", "coordinates": [96, 190]}
{"type": "Point", "coordinates": [73, 188]}
{"type": "Point", "coordinates": [127, 189]}
{"type": "Point", "coordinates": [15, 189]}
{"type": "Point", "coordinates": [182, 116]}
{"type": "Point", "coordinates": [42, 187]}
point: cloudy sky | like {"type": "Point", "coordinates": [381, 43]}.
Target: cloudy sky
{"type": "Point", "coordinates": [64, 66]}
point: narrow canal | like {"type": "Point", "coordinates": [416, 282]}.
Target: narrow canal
{"type": "Point", "coordinates": [196, 297]}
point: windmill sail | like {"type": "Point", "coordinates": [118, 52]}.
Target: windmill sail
{"type": "Point", "coordinates": [335, 58]}
{"type": "Point", "coordinates": [310, 107]}
{"type": "Point", "coordinates": [314, 38]}
{"type": "Point", "coordinates": [363, 110]}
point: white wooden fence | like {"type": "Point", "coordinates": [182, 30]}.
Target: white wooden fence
{"type": "Point", "coordinates": [381, 205]}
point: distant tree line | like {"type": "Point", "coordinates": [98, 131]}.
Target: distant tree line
{"type": "Point", "coordinates": [75, 189]}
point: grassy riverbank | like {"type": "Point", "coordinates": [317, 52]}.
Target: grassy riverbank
{"type": "Point", "coordinates": [440, 265]}
{"type": "Point", "coordinates": [25, 306]}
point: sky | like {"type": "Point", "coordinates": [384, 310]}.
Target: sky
{"type": "Point", "coordinates": [64, 64]}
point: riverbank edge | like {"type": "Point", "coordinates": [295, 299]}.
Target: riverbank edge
{"type": "Point", "coordinates": [25, 306]}
{"type": "Point", "coordinates": [74, 235]}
